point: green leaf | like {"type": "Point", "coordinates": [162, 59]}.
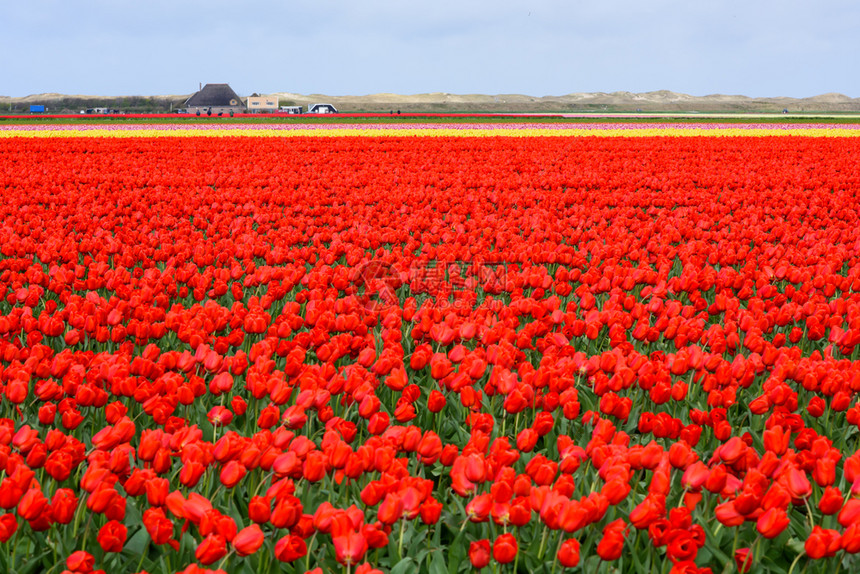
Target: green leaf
{"type": "Point", "coordinates": [437, 563]}
{"type": "Point", "coordinates": [137, 542]}
{"type": "Point", "coordinates": [419, 558]}
{"type": "Point", "coordinates": [246, 568]}
{"type": "Point", "coordinates": [132, 513]}
{"type": "Point", "coordinates": [33, 564]}
{"type": "Point", "coordinates": [457, 555]}
{"type": "Point", "coordinates": [796, 545]}
{"type": "Point", "coordinates": [404, 566]}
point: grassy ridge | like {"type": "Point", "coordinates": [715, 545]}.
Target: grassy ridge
{"type": "Point", "coordinates": [414, 118]}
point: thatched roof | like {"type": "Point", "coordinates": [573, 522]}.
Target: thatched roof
{"type": "Point", "coordinates": [214, 95]}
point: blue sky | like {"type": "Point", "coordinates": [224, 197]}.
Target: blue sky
{"type": "Point", "coordinates": [756, 48]}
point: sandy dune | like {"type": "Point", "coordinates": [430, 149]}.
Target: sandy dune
{"type": "Point", "coordinates": [659, 101]}
{"type": "Point", "coordinates": [617, 101]}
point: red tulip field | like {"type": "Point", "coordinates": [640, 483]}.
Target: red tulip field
{"type": "Point", "coordinates": [437, 350]}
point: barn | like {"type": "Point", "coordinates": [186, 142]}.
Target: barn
{"type": "Point", "coordinates": [215, 99]}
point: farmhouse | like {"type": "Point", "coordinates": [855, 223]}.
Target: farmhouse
{"type": "Point", "coordinates": [257, 103]}
{"type": "Point", "coordinates": [214, 99]}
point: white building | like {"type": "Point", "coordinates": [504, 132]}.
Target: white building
{"type": "Point", "coordinates": [322, 109]}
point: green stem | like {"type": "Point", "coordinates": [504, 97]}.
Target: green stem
{"type": "Point", "coordinates": [809, 513]}
{"type": "Point", "coordinates": [308, 556]}
{"type": "Point", "coordinates": [793, 564]}
{"type": "Point", "coordinates": [87, 531]}
{"type": "Point", "coordinates": [750, 555]}
{"type": "Point", "coordinates": [735, 544]}
{"type": "Point", "coordinates": [224, 560]}
{"type": "Point", "coordinates": [17, 536]}
{"type": "Point", "coordinates": [400, 541]}
{"type": "Point", "coordinates": [543, 542]}
{"type": "Point", "coordinates": [516, 561]}
{"type": "Point", "coordinates": [557, 549]}
{"type": "Point", "coordinates": [143, 554]}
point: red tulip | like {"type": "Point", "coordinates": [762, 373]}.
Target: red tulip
{"type": "Point", "coordinates": [681, 546]}
{"type": "Point", "coordinates": [611, 545]}
{"type": "Point", "coordinates": [220, 416]}
{"type": "Point", "coordinates": [232, 473]}
{"type": "Point", "coordinates": [822, 542]}
{"type": "Point", "coordinates": [8, 526]}
{"type": "Point", "coordinates": [776, 440]}
{"type": "Point", "coordinates": [478, 509]}
{"type": "Point", "coordinates": [112, 536]}
{"type": "Point", "coordinates": [268, 417]}
{"type": "Point", "coordinates": [850, 513]}
{"type": "Point", "coordinates": [430, 511]}
{"type": "Point", "coordinates": [772, 522]}
{"type": "Point", "coordinates": [435, 402]}
{"type": "Point", "coordinates": [816, 407]}
{"type": "Point", "coordinates": [391, 509]}
{"type": "Point", "coordinates": [717, 479]}
{"type": "Point", "coordinates": [32, 504]}
{"type": "Point", "coordinates": [505, 548]}
{"type": "Point", "coordinates": [568, 553]}
{"type": "Point", "coordinates": [831, 500]}
{"type": "Point", "coordinates": [732, 451]}
{"type": "Point", "coordinates": [404, 412]}
{"type": "Point", "coordinates": [430, 448]}
{"type": "Point", "coordinates": [191, 473]}
{"type": "Point", "coordinates": [290, 548]}
{"type": "Point", "coordinates": [527, 439]}
{"type": "Point", "coordinates": [259, 509]}
{"type": "Point", "coordinates": [238, 405]}
{"type": "Point", "coordinates": [211, 549]}
{"type": "Point", "coordinates": [248, 540]}
{"type": "Point", "coordinates": [159, 527]}
{"type": "Point", "coordinates": [824, 471]}
{"type": "Point", "coordinates": [616, 489]}
{"type": "Point", "coordinates": [64, 503]}
{"type": "Point", "coordinates": [349, 547]}
{"type": "Point", "coordinates": [156, 491]}
{"type": "Point", "coordinates": [851, 539]}
{"type": "Point", "coordinates": [378, 423]}
{"type": "Point", "coordinates": [80, 561]}
{"type": "Point", "coordinates": [314, 467]}
{"type": "Point", "coordinates": [695, 476]}
{"type": "Point", "coordinates": [652, 508]}
{"type": "Point", "coordinates": [102, 498]}
{"type": "Point", "coordinates": [479, 553]}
